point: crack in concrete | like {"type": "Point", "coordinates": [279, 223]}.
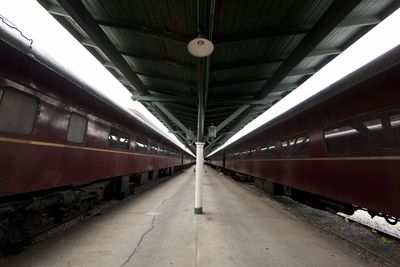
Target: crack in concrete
{"type": "Point", "coordinates": [140, 241]}
{"type": "Point", "coordinates": [168, 198]}
{"type": "Point", "coordinates": [150, 228]}
{"type": "Point", "coordinates": [196, 248]}
{"type": "Point", "coordinates": [196, 241]}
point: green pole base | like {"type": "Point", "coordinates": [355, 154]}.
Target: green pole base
{"type": "Point", "coordinates": [198, 210]}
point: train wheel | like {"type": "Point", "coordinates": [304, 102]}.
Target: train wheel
{"type": "Point", "coordinates": [15, 236]}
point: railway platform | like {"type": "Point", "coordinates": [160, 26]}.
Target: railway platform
{"type": "Point", "coordinates": [158, 228]}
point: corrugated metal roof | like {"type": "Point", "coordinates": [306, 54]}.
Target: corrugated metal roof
{"type": "Point", "coordinates": [263, 50]}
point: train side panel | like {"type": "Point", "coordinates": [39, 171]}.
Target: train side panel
{"type": "Point", "coordinates": [45, 159]}
{"type": "Point", "coordinates": [362, 171]}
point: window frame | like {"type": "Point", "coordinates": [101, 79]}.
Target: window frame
{"type": "Point", "coordinates": [154, 149]}
{"type": "Point", "coordinates": [37, 112]}
{"type": "Point", "coordinates": [288, 138]}
{"type": "Point", "coordinates": [86, 127]}
{"type": "Point", "coordinates": [141, 140]}
{"type": "Point", "coordinates": [268, 147]}
{"type": "Point", "coordinates": [123, 132]}
{"type": "Point", "coordinates": [362, 119]}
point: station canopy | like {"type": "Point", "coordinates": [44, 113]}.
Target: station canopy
{"type": "Point", "coordinates": [262, 51]}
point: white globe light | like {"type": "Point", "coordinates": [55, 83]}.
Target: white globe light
{"type": "Point", "coordinates": [200, 47]}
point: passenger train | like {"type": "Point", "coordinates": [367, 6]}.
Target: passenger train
{"type": "Point", "coordinates": [63, 149]}
{"type": "Point", "coordinates": [339, 150]}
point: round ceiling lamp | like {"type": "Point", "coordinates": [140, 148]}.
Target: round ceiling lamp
{"type": "Point", "coordinates": [200, 47]}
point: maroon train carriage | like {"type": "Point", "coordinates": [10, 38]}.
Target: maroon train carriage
{"type": "Point", "coordinates": [339, 150]}
{"type": "Point", "coordinates": [63, 149]}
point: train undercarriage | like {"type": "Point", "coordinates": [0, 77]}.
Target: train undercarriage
{"type": "Point", "coordinates": [25, 216]}
{"type": "Point", "coordinates": [303, 197]}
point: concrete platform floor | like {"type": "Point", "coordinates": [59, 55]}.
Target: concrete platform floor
{"type": "Point", "coordinates": [158, 228]}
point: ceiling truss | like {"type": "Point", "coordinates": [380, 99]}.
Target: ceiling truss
{"type": "Point", "coordinates": [185, 92]}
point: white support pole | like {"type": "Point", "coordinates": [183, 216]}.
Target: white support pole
{"type": "Point", "coordinates": [198, 208]}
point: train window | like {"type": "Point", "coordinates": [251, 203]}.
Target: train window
{"type": "Point", "coordinates": [296, 145]}
{"type": "Point", "coordinates": [337, 139]}
{"type": "Point", "coordinates": [267, 150]}
{"type": "Point", "coordinates": [17, 112]}
{"type": "Point", "coordinates": [153, 149]}
{"type": "Point", "coordinates": [395, 121]}
{"type": "Point", "coordinates": [118, 139]}
{"type": "Point", "coordinates": [76, 128]}
{"type": "Point", "coordinates": [252, 152]}
{"type": "Point", "coordinates": [140, 145]}
{"type": "Point", "coordinates": [243, 154]}
{"type": "Point", "coordinates": [375, 132]}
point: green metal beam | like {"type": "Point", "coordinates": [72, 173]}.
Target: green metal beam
{"type": "Point", "coordinates": [56, 10]}
{"type": "Point", "coordinates": [221, 108]}
{"type": "Point", "coordinates": [218, 116]}
{"type": "Point", "coordinates": [269, 60]}
{"type": "Point", "coordinates": [233, 116]}
{"type": "Point", "coordinates": [182, 39]}
{"type": "Point", "coordinates": [359, 22]}
{"type": "Point", "coordinates": [219, 40]}
{"type": "Point", "coordinates": [239, 81]}
{"type": "Point", "coordinates": [331, 18]}
{"type": "Point", "coordinates": [140, 30]}
{"type": "Point", "coordinates": [166, 78]}
{"type": "Point", "coordinates": [295, 30]}
{"type": "Point", "coordinates": [82, 17]}
{"type": "Point", "coordinates": [259, 79]}
{"type": "Point", "coordinates": [301, 72]}
{"type": "Point", "coordinates": [162, 117]}
{"type": "Point", "coordinates": [156, 59]}
{"type": "Point", "coordinates": [181, 107]}
{"type": "Point", "coordinates": [143, 56]}
{"type": "Point", "coordinates": [221, 101]}
{"type": "Point", "coordinates": [250, 93]}
{"type": "Point", "coordinates": [324, 52]}
{"type": "Point", "coordinates": [264, 34]}
{"type": "Point", "coordinates": [172, 99]}
{"type": "Point", "coordinates": [212, 143]}
{"type": "Point", "coordinates": [184, 114]}
{"type": "Point", "coordinates": [242, 121]}
{"type": "Point", "coordinates": [175, 91]}
{"type": "Point", "coordinates": [246, 63]}
{"type": "Point", "coordinates": [173, 119]}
